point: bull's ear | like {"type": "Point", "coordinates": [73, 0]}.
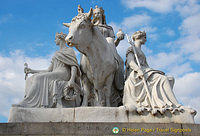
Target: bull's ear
{"type": "Point", "coordinates": [89, 14]}
{"type": "Point", "coordinates": [66, 24]}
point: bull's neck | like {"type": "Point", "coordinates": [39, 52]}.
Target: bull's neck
{"type": "Point", "coordinates": [97, 48]}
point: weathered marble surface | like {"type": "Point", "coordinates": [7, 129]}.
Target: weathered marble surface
{"type": "Point", "coordinates": [93, 114]}
{"type": "Point", "coordinates": [98, 129]}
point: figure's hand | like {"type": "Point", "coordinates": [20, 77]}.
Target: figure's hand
{"type": "Point", "coordinates": [71, 83]}
{"type": "Point", "coordinates": [27, 70]}
{"type": "Point", "coordinates": [140, 73]}
{"type": "Point", "coordinates": [120, 35]}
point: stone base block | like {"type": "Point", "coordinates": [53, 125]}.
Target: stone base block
{"type": "Point", "coordinates": [98, 129]}
{"type": "Point", "coordinates": [94, 114]}
{"type": "Point", "coordinates": [18, 114]}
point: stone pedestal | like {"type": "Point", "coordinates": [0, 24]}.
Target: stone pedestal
{"type": "Point", "coordinates": [97, 129]}
{"type": "Point", "coordinates": [94, 114]}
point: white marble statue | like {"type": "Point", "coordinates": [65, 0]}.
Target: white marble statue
{"type": "Point", "coordinates": [146, 88]}
{"type": "Point", "coordinates": [103, 65]}
{"type": "Point", "coordinates": [107, 31]}
{"type": "Point", "coordinates": [58, 86]}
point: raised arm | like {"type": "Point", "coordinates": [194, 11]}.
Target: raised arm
{"type": "Point", "coordinates": [120, 36]}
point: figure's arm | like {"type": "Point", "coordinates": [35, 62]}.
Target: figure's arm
{"type": "Point", "coordinates": [131, 62]}
{"type": "Point", "coordinates": [73, 74]}
{"type": "Point", "coordinates": [33, 71]}
{"type": "Point", "coordinates": [117, 42]}
{"type": "Point", "coordinates": [133, 65]}
{"type": "Point", "coordinates": [120, 36]}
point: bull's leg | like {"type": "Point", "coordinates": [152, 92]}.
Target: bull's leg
{"type": "Point", "coordinates": [107, 90]}
{"type": "Point", "coordinates": [86, 90]}
{"type": "Point", "coordinates": [96, 102]}
{"type": "Point", "coordinates": [99, 96]}
{"type": "Point", "coordinates": [106, 97]}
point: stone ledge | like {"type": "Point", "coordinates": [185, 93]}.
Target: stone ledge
{"type": "Point", "coordinates": [93, 114]}
{"type": "Point", "coordinates": [93, 129]}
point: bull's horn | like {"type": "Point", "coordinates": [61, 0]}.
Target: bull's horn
{"type": "Point", "coordinates": [89, 14]}
{"type": "Point", "coordinates": [66, 24]}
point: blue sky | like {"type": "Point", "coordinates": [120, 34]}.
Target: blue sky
{"type": "Point", "coordinates": [28, 27]}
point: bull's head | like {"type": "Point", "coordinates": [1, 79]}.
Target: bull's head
{"type": "Point", "coordinates": [80, 30]}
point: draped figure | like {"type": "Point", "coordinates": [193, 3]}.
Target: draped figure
{"type": "Point", "coordinates": [47, 88]}
{"type": "Point", "coordinates": [158, 85]}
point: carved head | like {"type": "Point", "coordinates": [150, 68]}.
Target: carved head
{"type": "Point", "coordinates": [98, 14]}
{"type": "Point", "coordinates": [80, 30]}
{"type": "Point", "coordinates": [60, 36]}
{"type": "Point", "coordinates": [139, 35]}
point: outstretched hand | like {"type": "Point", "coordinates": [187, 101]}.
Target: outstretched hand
{"type": "Point", "coordinates": [120, 35]}
{"type": "Point", "coordinates": [140, 73]}
{"type": "Point", "coordinates": [71, 83]}
{"type": "Point", "coordinates": [27, 70]}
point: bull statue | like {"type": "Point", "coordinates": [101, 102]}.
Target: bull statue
{"type": "Point", "coordinates": [102, 77]}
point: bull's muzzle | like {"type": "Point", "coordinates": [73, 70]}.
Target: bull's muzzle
{"type": "Point", "coordinates": [68, 40]}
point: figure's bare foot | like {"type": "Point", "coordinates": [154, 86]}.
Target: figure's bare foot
{"type": "Point", "coordinates": [130, 108]}
{"type": "Point", "coordinates": [140, 110]}
{"type": "Point", "coordinates": [162, 110]}
{"type": "Point", "coordinates": [154, 111]}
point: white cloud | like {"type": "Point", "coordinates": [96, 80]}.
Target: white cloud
{"type": "Point", "coordinates": [12, 77]}
{"type": "Point", "coordinates": [179, 69]}
{"type": "Point", "coordinates": [184, 7]}
{"type": "Point", "coordinates": [191, 25]}
{"type": "Point", "coordinates": [190, 45]}
{"type": "Point", "coordinates": [187, 91]}
{"type": "Point", "coordinates": [136, 21]}
{"type": "Point", "coordinates": [188, 7]}
{"type": "Point", "coordinates": [195, 56]}
{"type": "Point", "coordinates": [161, 6]}
{"type": "Point", "coordinates": [149, 29]}
{"type": "Point", "coordinates": [163, 60]}
{"type": "Point", "coordinates": [170, 63]}
{"type": "Point", "coordinates": [188, 85]}
{"type": "Point", "coordinates": [189, 42]}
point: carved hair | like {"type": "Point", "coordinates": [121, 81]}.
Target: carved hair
{"type": "Point", "coordinates": [138, 35]}
{"type": "Point", "coordinates": [61, 35]}
{"type": "Point", "coordinates": [102, 12]}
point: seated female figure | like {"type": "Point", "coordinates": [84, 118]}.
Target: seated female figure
{"type": "Point", "coordinates": [46, 88]}
{"type": "Point", "coordinates": [146, 88]}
